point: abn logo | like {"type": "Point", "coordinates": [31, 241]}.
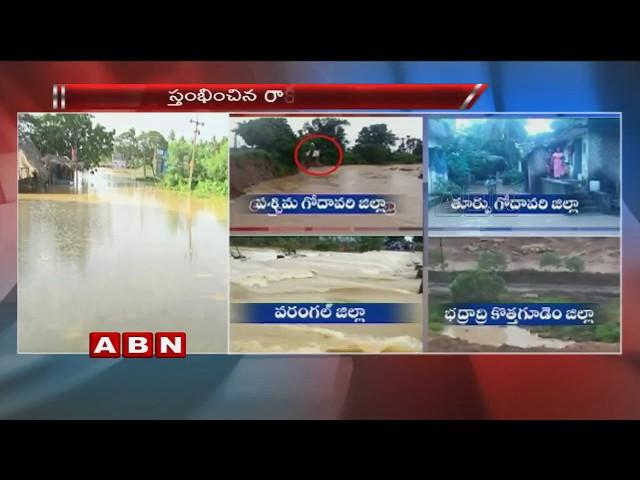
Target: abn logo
{"type": "Point", "coordinates": [137, 344]}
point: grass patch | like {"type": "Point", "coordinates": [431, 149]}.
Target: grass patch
{"type": "Point", "coordinates": [436, 318]}
{"type": "Point", "coordinates": [203, 189]}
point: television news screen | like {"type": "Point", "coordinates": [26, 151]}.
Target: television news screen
{"type": "Point", "coordinates": [319, 240]}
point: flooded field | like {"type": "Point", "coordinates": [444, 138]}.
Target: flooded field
{"type": "Point", "coordinates": [400, 180]}
{"type": "Point", "coordinates": [120, 255]}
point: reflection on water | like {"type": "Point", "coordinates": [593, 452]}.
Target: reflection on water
{"type": "Point", "coordinates": [120, 255]}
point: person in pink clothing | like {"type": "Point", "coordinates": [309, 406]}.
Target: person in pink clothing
{"type": "Point", "coordinates": [557, 164]}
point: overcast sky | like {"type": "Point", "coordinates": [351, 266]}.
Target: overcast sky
{"type": "Point", "coordinates": [214, 123]}
{"type": "Point", "coordinates": [401, 126]}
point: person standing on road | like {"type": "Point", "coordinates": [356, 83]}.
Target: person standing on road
{"type": "Point", "coordinates": [312, 155]}
{"type": "Point", "coordinates": [492, 185]}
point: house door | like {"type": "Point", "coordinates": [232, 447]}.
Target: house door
{"type": "Point", "coordinates": [577, 157]}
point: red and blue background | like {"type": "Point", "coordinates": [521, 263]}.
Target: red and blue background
{"type": "Point", "coordinates": [350, 387]}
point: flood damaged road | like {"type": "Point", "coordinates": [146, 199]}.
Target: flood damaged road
{"type": "Point", "coordinates": [400, 180]}
{"type": "Point", "coordinates": [120, 256]}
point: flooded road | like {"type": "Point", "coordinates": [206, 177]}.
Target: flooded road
{"type": "Point", "coordinates": [401, 181]}
{"type": "Point", "coordinates": [120, 256]}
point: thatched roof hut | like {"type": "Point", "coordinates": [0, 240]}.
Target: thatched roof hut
{"type": "Point", "coordinates": [30, 164]}
{"type": "Point", "coordinates": [55, 160]}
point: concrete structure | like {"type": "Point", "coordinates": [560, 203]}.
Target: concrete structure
{"type": "Point", "coordinates": [591, 148]}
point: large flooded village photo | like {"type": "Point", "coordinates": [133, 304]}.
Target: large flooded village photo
{"type": "Point", "coordinates": [122, 226]}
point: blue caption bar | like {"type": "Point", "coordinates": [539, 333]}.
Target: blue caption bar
{"type": "Point", "coordinates": [322, 203]}
{"type": "Point", "coordinates": [287, 313]}
{"type": "Point", "coordinates": [527, 314]}
{"type": "Point", "coordinates": [515, 203]}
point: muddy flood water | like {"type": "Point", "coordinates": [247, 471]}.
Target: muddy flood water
{"type": "Point", "coordinates": [311, 276]}
{"type": "Point", "coordinates": [120, 256]}
{"type": "Point", "coordinates": [401, 181]}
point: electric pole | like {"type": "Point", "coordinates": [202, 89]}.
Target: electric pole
{"type": "Point", "coordinates": [193, 149]}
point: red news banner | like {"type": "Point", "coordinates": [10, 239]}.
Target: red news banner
{"type": "Point", "coordinates": [263, 97]}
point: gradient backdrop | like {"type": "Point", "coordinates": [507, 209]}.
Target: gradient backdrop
{"type": "Point", "coordinates": [432, 387]}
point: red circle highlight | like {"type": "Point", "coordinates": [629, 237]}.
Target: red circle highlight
{"type": "Point", "coordinates": [311, 136]}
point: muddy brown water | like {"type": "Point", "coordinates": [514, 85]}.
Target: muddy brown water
{"type": "Point", "coordinates": [401, 181]}
{"type": "Point", "coordinates": [120, 255]}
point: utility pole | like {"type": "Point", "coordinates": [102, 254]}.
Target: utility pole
{"type": "Point", "coordinates": [193, 149]}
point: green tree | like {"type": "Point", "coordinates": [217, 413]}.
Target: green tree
{"type": "Point", "coordinates": [477, 286]}
{"type": "Point", "coordinates": [271, 134]}
{"type": "Point", "coordinates": [502, 137]}
{"type": "Point", "coordinates": [148, 144]}
{"type": "Point", "coordinates": [574, 263]}
{"type": "Point", "coordinates": [550, 259]}
{"type": "Point", "coordinates": [333, 127]}
{"type": "Point", "coordinates": [484, 148]}
{"type": "Point", "coordinates": [59, 134]}
{"type": "Point", "coordinates": [178, 161]}
{"type": "Point", "coordinates": [289, 245]}
{"type": "Point", "coordinates": [458, 166]}
{"type": "Point", "coordinates": [560, 125]}
{"type": "Point", "coordinates": [372, 153]}
{"type": "Point", "coordinates": [413, 145]}
{"type": "Point", "coordinates": [492, 261]}
{"type": "Point", "coordinates": [26, 125]}
{"type": "Point", "coordinates": [368, 244]}
{"type": "Point", "coordinates": [126, 144]}
{"type": "Point", "coordinates": [210, 170]}
{"type": "Point", "coordinates": [377, 134]}
{"type": "Point", "coordinates": [211, 161]}
{"type": "Point", "coordinates": [504, 129]}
